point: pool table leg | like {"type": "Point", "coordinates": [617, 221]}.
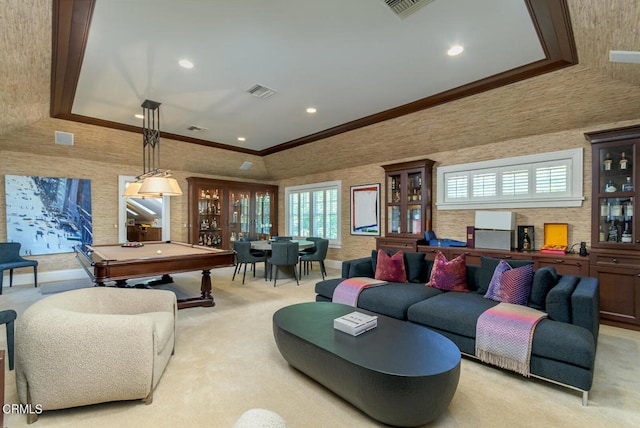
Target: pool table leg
{"type": "Point", "coordinates": [205, 285]}
{"type": "Point", "coordinates": [205, 299]}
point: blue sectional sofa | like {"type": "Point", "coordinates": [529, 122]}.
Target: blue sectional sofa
{"type": "Point", "coordinates": [564, 343]}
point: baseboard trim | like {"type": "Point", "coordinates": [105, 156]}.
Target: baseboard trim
{"type": "Point", "coordinates": [335, 264]}
{"type": "Point", "coordinates": [49, 276]}
{"type": "Point", "coordinates": [61, 275]}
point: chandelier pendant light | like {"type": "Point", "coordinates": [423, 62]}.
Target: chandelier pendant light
{"type": "Point", "coordinates": [153, 182]}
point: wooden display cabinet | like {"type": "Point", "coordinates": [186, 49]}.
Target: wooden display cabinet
{"type": "Point", "coordinates": [564, 264]}
{"type": "Point", "coordinates": [407, 204]}
{"type": "Point", "coordinates": [615, 235]}
{"type": "Point", "coordinates": [222, 211]}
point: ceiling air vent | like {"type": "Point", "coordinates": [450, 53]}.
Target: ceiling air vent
{"type": "Point", "coordinates": [260, 91]}
{"type": "Point", "coordinates": [404, 8]}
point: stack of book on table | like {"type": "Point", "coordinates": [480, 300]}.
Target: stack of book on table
{"type": "Point", "coordinates": [355, 323]}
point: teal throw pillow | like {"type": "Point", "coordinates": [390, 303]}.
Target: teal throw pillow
{"type": "Point", "coordinates": [544, 279]}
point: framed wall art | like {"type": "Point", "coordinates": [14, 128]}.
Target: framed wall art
{"type": "Point", "coordinates": [48, 215]}
{"type": "Point", "coordinates": [365, 210]}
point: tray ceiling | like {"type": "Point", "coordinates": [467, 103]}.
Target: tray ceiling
{"type": "Point", "coordinates": [356, 62]}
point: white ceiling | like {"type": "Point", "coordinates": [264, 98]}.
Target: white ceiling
{"type": "Point", "coordinates": [349, 59]}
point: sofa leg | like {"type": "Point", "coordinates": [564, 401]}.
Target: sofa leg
{"type": "Point", "coordinates": [585, 398]}
{"type": "Point", "coordinates": [149, 398]}
{"type": "Point", "coordinates": [32, 416]}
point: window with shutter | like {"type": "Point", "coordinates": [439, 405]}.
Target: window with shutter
{"type": "Point", "coordinates": [552, 179]}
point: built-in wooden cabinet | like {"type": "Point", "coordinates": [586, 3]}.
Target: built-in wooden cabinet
{"type": "Point", "coordinates": [137, 233]}
{"type": "Point", "coordinates": [407, 204]}
{"type": "Point", "coordinates": [222, 211]}
{"type": "Point", "coordinates": [615, 235]}
{"type": "Point", "coordinates": [564, 264]}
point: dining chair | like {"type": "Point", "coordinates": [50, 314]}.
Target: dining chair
{"type": "Point", "coordinates": [284, 254]}
{"type": "Point", "coordinates": [8, 317]}
{"type": "Point", "coordinates": [245, 256]}
{"type": "Point", "coordinates": [310, 250]}
{"type": "Point", "coordinates": [281, 238]}
{"type": "Point", "coordinates": [10, 259]}
{"type": "Point", "coordinates": [318, 255]}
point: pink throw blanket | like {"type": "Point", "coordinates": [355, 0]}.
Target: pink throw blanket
{"type": "Point", "coordinates": [504, 334]}
{"type": "Point", "coordinates": [348, 291]}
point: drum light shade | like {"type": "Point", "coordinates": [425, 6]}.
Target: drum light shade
{"type": "Point", "coordinates": [162, 186]}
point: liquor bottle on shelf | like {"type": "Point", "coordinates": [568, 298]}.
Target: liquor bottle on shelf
{"type": "Point", "coordinates": [610, 187]}
{"type": "Point", "coordinates": [602, 236]}
{"type": "Point", "coordinates": [613, 232]}
{"type": "Point", "coordinates": [616, 209]}
{"type": "Point", "coordinates": [628, 211]}
{"type": "Point", "coordinates": [626, 235]}
{"type": "Point", "coordinates": [604, 210]}
{"type": "Point", "coordinates": [606, 165]}
{"type": "Point", "coordinates": [624, 162]}
{"type": "Point", "coordinates": [526, 240]}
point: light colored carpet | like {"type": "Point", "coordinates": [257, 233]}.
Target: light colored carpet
{"type": "Point", "coordinates": [226, 362]}
{"type": "Point", "coordinates": [60, 286]}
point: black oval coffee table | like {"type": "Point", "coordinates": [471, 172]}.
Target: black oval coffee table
{"type": "Point", "coordinates": [398, 373]}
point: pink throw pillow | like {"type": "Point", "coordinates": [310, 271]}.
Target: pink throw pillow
{"type": "Point", "coordinates": [390, 268]}
{"type": "Point", "coordinates": [449, 275]}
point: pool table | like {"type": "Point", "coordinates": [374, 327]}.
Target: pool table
{"type": "Point", "coordinates": [120, 262]}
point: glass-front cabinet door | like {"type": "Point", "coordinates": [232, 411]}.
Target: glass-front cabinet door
{"type": "Point", "coordinates": [614, 195]}
{"type": "Point", "coordinates": [263, 214]}
{"type": "Point", "coordinates": [209, 222]}
{"type": "Point", "coordinates": [408, 198]}
{"type": "Point", "coordinates": [394, 184]}
{"type": "Point", "coordinates": [414, 210]}
{"type": "Point", "coordinates": [239, 218]}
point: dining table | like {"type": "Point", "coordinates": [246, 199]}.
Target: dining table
{"type": "Point", "coordinates": [265, 245]}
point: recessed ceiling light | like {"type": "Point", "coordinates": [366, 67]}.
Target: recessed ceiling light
{"type": "Point", "coordinates": [138, 116]}
{"type": "Point", "coordinates": [185, 63]}
{"type": "Point", "coordinates": [311, 110]}
{"type": "Point", "coordinates": [242, 139]}
{"type": "Point", "coordinates": [455, 50]}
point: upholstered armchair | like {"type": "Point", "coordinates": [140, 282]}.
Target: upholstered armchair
{"type": "Point", "coordinates": [94, 345]}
